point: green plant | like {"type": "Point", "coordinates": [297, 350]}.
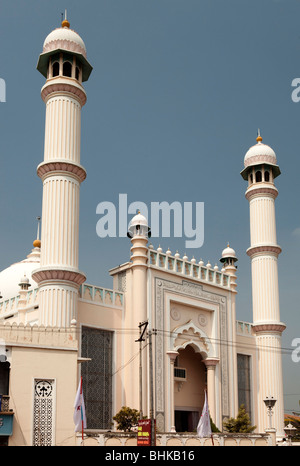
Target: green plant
{"type": "Point", "coordinates": [126, 418]}
{"type": "Point", "coordinates": [240, 424]}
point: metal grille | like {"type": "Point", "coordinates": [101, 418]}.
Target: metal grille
{"type": "Point", "coordinates": [244, 382]}
{"type": "Point", "coordinates": [43, 409]}
{"type": "Point", "coordinates": [97, 377]}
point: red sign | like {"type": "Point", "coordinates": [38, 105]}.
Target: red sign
{"type": "Point", "coordinates": [144, 433]}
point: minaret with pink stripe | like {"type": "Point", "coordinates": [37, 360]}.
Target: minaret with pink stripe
{"type": "Point", "coordinates": [261, 170]}
{"type": "Point", "coordinates": [64, 64]}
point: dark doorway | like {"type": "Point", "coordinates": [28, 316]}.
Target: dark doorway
{"type": "Point", "coordinates": [4, 376]}
{"type": "Point", "coordinates": [186, 421]}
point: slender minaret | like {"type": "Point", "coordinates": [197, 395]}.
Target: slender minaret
{"type": "Point", "coordinates": [64, 64]}
{"type": "Point", "coordinates": [138, 232]}
{"type": "Point", "coordinates": [260, 171]}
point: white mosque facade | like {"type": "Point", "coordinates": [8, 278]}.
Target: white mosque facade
{"type": "Point", "coordinates": [56, 328]}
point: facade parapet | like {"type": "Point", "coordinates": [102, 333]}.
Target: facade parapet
{"type": "Point", "coordinates": [41, 336]}
{"type": "Point", "coordinates": [189, 269]}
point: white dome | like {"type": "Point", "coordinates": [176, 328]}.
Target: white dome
{"type": "Point", "coordinates": [260, 153]}
{"type": "Point", "coordinates": [138, 225]}
{"type": "Point", "coordinates": [138, 219]}
{"type": "Point", "coordinates": [66, 39]}
{"type": "Point", "coordinates": [228, 253]}
{"type": "Point", "coordinates": [12, 276]}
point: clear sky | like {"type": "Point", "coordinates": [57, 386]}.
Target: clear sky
{"type": "Point", "coordinates": [177, 93]}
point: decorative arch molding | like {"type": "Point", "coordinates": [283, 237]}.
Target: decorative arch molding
{"type": "Point", "coordinates": [188, 289]}
{"type": "Point", "coordinates": [190, 334]}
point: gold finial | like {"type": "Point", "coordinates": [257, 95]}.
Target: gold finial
{"type": "Point", "coordinates": [259, 138]}
{"type": "Point", "coordinates": [65, 23]}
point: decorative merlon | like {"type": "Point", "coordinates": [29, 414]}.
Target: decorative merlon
{"type": "Point", "coordinates": [33, 335]}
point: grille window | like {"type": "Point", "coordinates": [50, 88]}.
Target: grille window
{"type": "Point", "coordinates": [97, 377]}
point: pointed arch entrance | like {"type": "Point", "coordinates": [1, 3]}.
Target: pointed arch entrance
{"type": "Point", "coordinates": [193, 362]}
{"type": "Point", "coordinates": [189, 385]}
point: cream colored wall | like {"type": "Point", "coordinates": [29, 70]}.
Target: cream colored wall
{"type": "Point", "coordinates": [28, 364]}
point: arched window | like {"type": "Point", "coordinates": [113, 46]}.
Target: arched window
{"type": "Point", "coordinates": [251, 178]}
{"type": "Point", "coordinates": [67, 69]}
{"type": "Point", "coordinates": [258, 176]}
{"type": "Point", "coordinates": [77, 73]}
{"type": "Point", "coordinates": [267, 175]}
{"type": "Point", "coordinates": [55, 69]}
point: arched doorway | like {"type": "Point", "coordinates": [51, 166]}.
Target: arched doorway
{"type": "Point", "coordinates": [189, 385]}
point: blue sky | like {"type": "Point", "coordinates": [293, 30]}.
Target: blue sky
{"type": "Point", "coordinates": [175, 98]}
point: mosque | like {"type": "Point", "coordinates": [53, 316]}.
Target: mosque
{"type": "Point", "coordinates": [55, 328]}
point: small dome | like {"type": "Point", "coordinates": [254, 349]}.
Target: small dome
{"type": "Point", "coordinates": [228, 253]}
{"type": "Point", "coordinates": [138, 225]}
{"type": "Point", "coordinates": [260, 153]}
{"type": "Point", "coordinates": [138, 219]}
{"type": "Point", "coordinates": [66, 39]}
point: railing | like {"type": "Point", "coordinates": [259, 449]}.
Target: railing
{"type": "Point", "coordinates": [189, 268]}
{"type": "Point", "coordinates": [244, 328]}
{"type": "Point", "coordinates": [101, 295]}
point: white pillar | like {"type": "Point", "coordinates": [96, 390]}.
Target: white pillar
{"type": "Point", "coordinates": [210, 364]}
{"type": "Point", "coordinates": [172, 356]}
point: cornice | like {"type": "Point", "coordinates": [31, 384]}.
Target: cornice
{"type": "Point", "coordinates": [265, 249]}
{"type": "Point", "coordinates": [46, 168]}
{"type": "Point", "coordinates": [269, 328]}
{"type": "Point", "coordinates": [58, 274]}
{"type": "Point", "coordinates": [63, 87]}
{"type": "Point", "coordinates": [256, 191]}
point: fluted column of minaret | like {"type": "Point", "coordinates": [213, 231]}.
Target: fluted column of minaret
{"type": "Point", "coordinates": [261, 169]}
{"type": "Point", "coordinates": [59, 277]}
{"type": "Point", "coordinates": [138, 232]}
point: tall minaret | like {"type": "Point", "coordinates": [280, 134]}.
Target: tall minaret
{"type": "Point", "coordinates": [138, 232]}
{"type": "Point", "coordinates": [260, 171]}
{"type": "Point", "coordinates": [64, 64]}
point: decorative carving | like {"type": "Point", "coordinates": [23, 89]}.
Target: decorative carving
{"type": "Point", "coordinates": [187, 289]}
{"type": "Point", "coordinates": [42, 275]}
{"type": "Point", "coordinates": [263, 249]}
{"type": "Point", "coordinates": [202, 319]}
{"type": "Point", "coordinates": [267, 328]}
{"type": "Point", "coordinates": [71, 168]}
{"type": "Point", "coordinates": [43, 413]}
{"type": "Point", "coordinates": [175, 314]}
{"type": "Point", "coordinates": [56, 86]}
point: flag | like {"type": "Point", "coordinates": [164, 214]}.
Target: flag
{"type": "Point", "coordinates": [79, 410]}
{"type": "Point", "coordinates": [203, 428]}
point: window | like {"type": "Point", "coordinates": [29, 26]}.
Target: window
{"type": "Point", "coordinates": [55, 69]}
{"type": "Point", "coordinates": [258, 176]}
{"type": "Point", "coordinates": [244, 382]}
{"type": "Point", "coordinates": [77, 73]}
{"type": "Point", "coordinates": [43, 412]}
{"type": "Point", "coordinates": [267, 175]}
{"type": "Point", "coordinates": [97, 377]}
{"type": "Point", "coordinates": [67, 69]}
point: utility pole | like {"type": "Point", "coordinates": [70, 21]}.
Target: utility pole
{"type": "Point", "coordinates": [140, 340]}
{"type": "Point", "coordinates": [150, 333]}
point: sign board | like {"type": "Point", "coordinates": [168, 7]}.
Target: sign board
{"type": "Point", "coordinates": [144, 432]}
{"type": "Point", "coordinates": [6, 423]}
